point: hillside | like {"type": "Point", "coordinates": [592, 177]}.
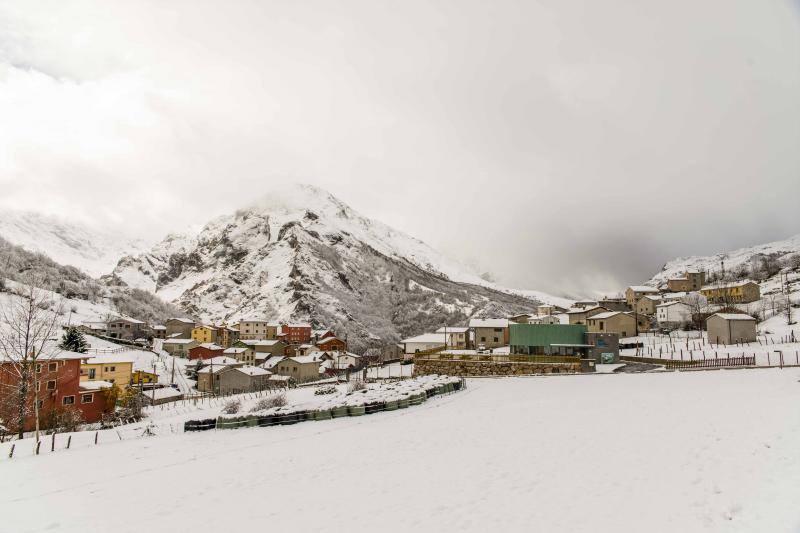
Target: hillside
{"type": "Point", "coordinates": [300, 253]}
{"type": "Point", "coordinates": [770, 265]}
{"type": "Point", "coordinates": [92, 250]}
{"type": "Point", "coordinates": [84, 297]}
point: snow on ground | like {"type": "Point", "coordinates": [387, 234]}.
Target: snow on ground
{"type": "Point", "coordinates": [547, 454]}
{"type": "Point", "coordinates": [774, 335]}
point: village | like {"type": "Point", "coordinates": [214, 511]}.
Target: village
{"type": "Point", "coordinates": [108, 373]}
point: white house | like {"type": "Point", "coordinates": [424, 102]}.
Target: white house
{"type": "Point", "coordinates": [673, 313]}
{"type": "Point", "coordinates": [457, 336]}
{"type": "Point", "coordinates": [421, 343]}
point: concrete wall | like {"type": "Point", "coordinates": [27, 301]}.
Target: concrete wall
{"type": "Point", "coordinates": [491, 368]}
{"type": "Point", "coordinates": [725, 331]}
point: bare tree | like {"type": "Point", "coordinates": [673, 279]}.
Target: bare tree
{"type": "Point", "coordinates": [698, 308]}
{"type": "Point", "coordinates": [27, 326]}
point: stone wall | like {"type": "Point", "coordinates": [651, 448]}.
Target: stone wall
{"type": "Point", "coordinates": [490, 368]}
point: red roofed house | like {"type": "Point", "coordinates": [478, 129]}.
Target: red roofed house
{"type": "Point", "coordinates": [297, 333]}
{"type": "Point", "coordinates": [332, 344]}
{"type": "Point", "coordinates": [205, 351]}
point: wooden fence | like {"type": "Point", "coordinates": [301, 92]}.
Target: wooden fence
{"type": "Point", "coordinates": [491, 358]}
{"type": "Point", "coordinates": [677, 364]}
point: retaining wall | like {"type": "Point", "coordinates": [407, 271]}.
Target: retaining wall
{"type": "Point", "coordinates": [490, 368]}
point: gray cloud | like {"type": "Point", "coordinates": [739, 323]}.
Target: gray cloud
{"type": "Point", "coordinates": [563, 146]}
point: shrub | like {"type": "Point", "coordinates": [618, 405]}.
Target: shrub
{"type": "Point", "coordinates": [325, 389]}
{"type": "Point", "coordinates": [231, 407]}
{"type": "Point", "coordinates": [279, 400]}
{"type": "Point", "coordinates": [356, 385]}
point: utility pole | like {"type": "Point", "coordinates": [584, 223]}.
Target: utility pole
{"type": "Point", "coordinates": [172, 378]}
{"type": "Point", "coordinates": [153, 392]}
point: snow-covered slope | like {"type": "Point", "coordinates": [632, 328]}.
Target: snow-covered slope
{"type": "Point", "coordinates": [301, 253]}
{"type": "Point", "coordinates": [774, 266]}
{"type": "Point", "coordinates": [732, 261]}
{"type": "Point", "coordinates": [94, 251]}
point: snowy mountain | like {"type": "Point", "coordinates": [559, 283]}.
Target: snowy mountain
{"type": "Point", "coordinates": [301, 253]}
{"type": "Point", "coordinates": [741, 260]}
{"type": "Point", "coordinates": [94, 251]}
{"type": "Point", "coordinates": [774, 266]}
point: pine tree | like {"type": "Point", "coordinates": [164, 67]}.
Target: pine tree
{"type": "Point", "coordinates": [73, 341]}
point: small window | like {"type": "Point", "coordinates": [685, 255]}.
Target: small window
{"type": "Point", "coordinates": [113, 369]}
{"type": "Point", "coordinates": [38, 369]}
{"type": "Point", "coordinates": [52, 367]}
{"type": "Point", "coordinates": [87, 398]}
{"type": "Point", "coordinates": [51, 385]}
{"type": "Point", "coordinates": [68, 400]}
{"type": "Point", "coordinates": [38, 386]}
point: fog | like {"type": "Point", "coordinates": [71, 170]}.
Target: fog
{"type": "Point", "coordinates": [572, 147]}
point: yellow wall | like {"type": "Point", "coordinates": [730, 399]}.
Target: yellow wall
{"type": "Point", "coordinates": [147, 377]}
{"type": "Point", "coordinates": [203, 335]}
{"type": "Point", "coordinates": [119, 373]}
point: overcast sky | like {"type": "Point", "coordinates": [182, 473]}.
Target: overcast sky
{"type": "Point", "coordinates": [564, 146]}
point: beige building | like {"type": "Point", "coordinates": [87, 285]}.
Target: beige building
{"type": "Point", "coordinates": [273, 347]}
{"type": "Point", "coordinates": [690, 281]}
{"type": "Point", "coordinates": [730, 328]}
{"type": "Point", "coordinates": [646, 305]}
{"type": "Point", "coordinates": [580, 315]}
{"type": "Point", "coordinates": [180, 328]}
{"type": "Point", "coordinates": [634, 292]}
{"type": "Point", "coordinates": [241, 354]}
{"type": "Point", "coordinates": [111, 368]}
{"type": "Point", "coordinates": [255, 329]}
{"type": "Point", "coordinates": [179, 347]}
{"type": "Point", "coordinates": [489, 333]}
{"type": "Point", "coordinates": [617, 322]}
{"type": "Point", "coordinates": [236, 380]}
{"type": "Point", "coordinates": [301, 368]}
{"type": "Point", "coordinates": [126, 328]}
{"type": "Point", "coordinates": [741, 292]}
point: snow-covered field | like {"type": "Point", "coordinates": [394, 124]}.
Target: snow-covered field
{"type": "Point", "coordinates": [774, 335]}
{"type": "Point", "coordinates": [691, 451]}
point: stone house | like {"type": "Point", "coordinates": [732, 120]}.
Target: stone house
{"type": "Point", "coordinates": [179, 347]}
{"type": "Point", "coordinates": [615, 304]}
{"type": "Point", "coordinates": [730, 328]}
{"type": "Point", "coordinates": [634, 292]}
{"type": "Point", "coordinates": [244, 355]}
{"type": "Point", "coordinates": [489, 333]}
{"type": "Point", "coordinates": [180, 328]}
{"type": "Point", "coordinates": [301, 368]}
{"type": "Point", "coordinates": [646, 305]}
{"type": "Point", "coordinates": [623, 324]}
{"type": "Point", "coordinates": [240, 379]}
{"type": "Point", "coordinates": [580, 315]}
{"type": "Point", "coordinates": [126, 328]}
{"type": "Point", "coordinates": [691, 280]}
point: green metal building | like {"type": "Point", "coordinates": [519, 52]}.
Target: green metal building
{"type": "Point", "coordinates": [548, 339]}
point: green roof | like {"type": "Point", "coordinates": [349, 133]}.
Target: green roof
{"type": "Point", "coordinates": [546, 334]}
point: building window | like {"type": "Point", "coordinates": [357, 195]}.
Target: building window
{"type": "Point", "coordinates": [39, 403]}
{"type": "Point", "coordinates": [51, 385]}
{"type": "Point", "coordinates": [87, 398]}
{"type": "Point", "coordinates": [68, 400]}
{"type": "Point", "coordinates": [38, 386]}
{"type": "Point", "coordinates": [92, 373]}
{"type": "Point", "coordinates": [52, 367]}
{"type": "Point", "coordinates": [38, 369]}
{"type": "Point", "coordinates": [113, 369]}
{"type": "Point", "coordinates": [496, 339]}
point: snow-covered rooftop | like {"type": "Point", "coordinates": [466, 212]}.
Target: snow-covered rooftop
{"type": "Point", "coordinates": [734, 316]}
{"type": "Point", "coordinates": [488, 323]}
{"type": "Point", "coordinates": [642, 288]}
{"type": "Point", "coordinates": [429, 338]}
{"type": "Point", "coordinates": [95, 385]}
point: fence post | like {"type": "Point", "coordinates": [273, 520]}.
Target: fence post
{"type": "Point", "coordinates": [96, 434]}
{"type": "Point", "coordinates": [69, 441]}
{"type": "Point", "coordinates": [53, 442]}
{"type": "Point", "coordinates": [11, 453]}
{"type": "Point", "coordinates": [38, 444]}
